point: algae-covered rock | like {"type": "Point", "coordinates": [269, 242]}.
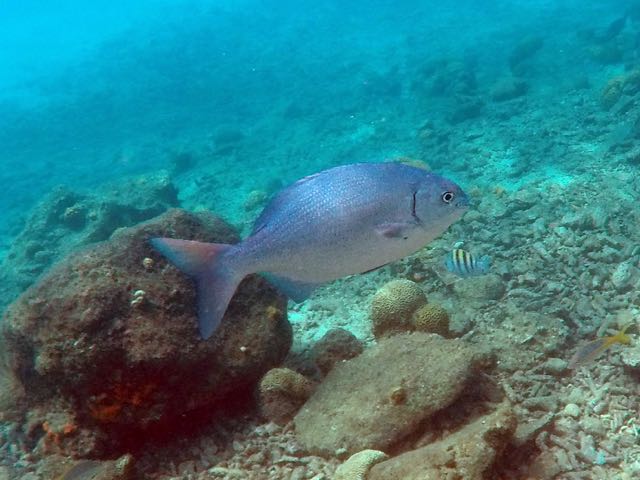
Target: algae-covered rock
{"type": "Point", "coordinates": [394, 304]}
{"type": "Point", "coordinates": [524, 50]}
{"type": "Point", "coordinates": [612, 92]}
{"type": "Point", "coordinates": [109, 340]}
{"type": "Point", "coordinates": [66, 220]}
{"type": "Point", "coordinates": [467, 454]}
{"type": "Point", "coordinates": [336, 345]}
{"type": "Point", "coordinates": [383, 395]}
{"type": "Point", "coordinates": [508, 89]}
{"type": "Point", "coordinates": [281, 393]}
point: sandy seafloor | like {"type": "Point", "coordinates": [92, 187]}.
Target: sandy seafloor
{"type": "Point", "coordinates": [553, 175]}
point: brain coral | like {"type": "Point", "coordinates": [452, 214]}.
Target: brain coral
{"type": "Point", "coordinates": [358, 465]}
{"type": "Point", "coordinates": [394, 304]}
{"type": "Point", "coordinates": [432, 318]}
{"type": "Point", "coordinates": [281, 393]}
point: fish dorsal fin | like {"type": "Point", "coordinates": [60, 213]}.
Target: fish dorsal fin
{"type": "Point", "coordinates": [278, 202]}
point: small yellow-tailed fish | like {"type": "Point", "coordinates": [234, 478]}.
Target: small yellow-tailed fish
{"type": "Point", "coordinates": [465, 264]}
{"type": "Point", "coordinates": [590, 350]}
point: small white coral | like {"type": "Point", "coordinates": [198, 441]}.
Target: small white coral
{"type": "Point", "coordinates": [138, 298]}
{"type": "Point", "coordinates": [357, 465]}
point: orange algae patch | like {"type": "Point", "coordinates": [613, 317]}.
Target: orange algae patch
{"type": "Point", "coordinates": [108, 406]}
{"type": "Point", "coordinates": [54, 436]}
{"type": "Point", "coordinates": [105, 413]}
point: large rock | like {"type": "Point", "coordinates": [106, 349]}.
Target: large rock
{"type": "Point", "coordinates": [107, 345]}
{"type": "Point", "coordinates": [383, 395]}
{"type": "Point", "coordinates": [65, 220]}
{"type": "Point", "coordinates": [467, 454]}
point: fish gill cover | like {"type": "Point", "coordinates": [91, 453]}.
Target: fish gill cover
{"type": "Point", "coordinates": [125, 121]}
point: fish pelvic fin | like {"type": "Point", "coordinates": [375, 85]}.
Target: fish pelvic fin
{"type": "Point", "coordinates": [215, 281]}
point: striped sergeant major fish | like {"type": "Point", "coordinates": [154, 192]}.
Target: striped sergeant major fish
{"type": "Point", "coordinates": [465, 264]}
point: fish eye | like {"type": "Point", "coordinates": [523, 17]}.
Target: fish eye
{"type": "Point", "coordinates": [447, 197]}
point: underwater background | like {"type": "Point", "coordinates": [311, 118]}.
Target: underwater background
{"type": "Point", "coordinates": [120, 121]}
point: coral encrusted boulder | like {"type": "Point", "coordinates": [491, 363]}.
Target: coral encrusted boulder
{"type": "Point", "coordinates": [106, 344]}
{"type": "Point", "coordinates": [66, 220]}
{"type": "Point", "coordinates": [467, 454]}
{"type": "Point", "coordinates": [377, 399]}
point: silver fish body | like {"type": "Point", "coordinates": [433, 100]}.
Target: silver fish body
{"type": "Point", "coordinates": [342, 221]}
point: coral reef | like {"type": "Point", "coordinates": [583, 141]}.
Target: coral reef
{"type": "Point", "coordinates": [620, 92]}
{"type": "Point", "coordinates": [281, 393]}
{"type": "Point", "coordinates": [553, 176]}
{"type": "Point", "coordinates": [450, 77]}
{"type": "Point", "coordinates": [523, 51]}
{"type": "Point", "coordinates": [66, 220]}
{"type": "Point", "coordinates": [108, 341]}
{"type": "Point", "coordinates": [393, 305]}
{"type": "Point", "coordinates": [611, 92]}
{"type": "Point", "coordinates": [465, 108]}
{"type": "Point", "coordinates": [378, 398]}
{"type": "Point", "coordinates": [335, 346]}
{"type": "Point", "coordinates": [467, 454]}
{"type": "Point", "coordinates": [606, 54]}
{"type": "Point", "coordinates": [508, 89]}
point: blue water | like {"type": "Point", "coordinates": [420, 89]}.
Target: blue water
{"type": "Point", "coordinates": [231, 100]}
{"type": "Point", "coordinates": [89, 93]}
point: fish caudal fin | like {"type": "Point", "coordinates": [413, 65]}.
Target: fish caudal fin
{"type": "Point", "coordinates": [215, 282]}
{"type": "Point", "coordinates": [484, 263]}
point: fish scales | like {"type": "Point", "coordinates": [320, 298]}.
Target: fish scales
{"type": "Point", "coordinates": [329, 221]}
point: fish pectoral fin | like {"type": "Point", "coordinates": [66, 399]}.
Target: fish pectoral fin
{"type": "Point", "coordinates": [295, 290]}
{"type": "Point", "coordinates": [395, 229]}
